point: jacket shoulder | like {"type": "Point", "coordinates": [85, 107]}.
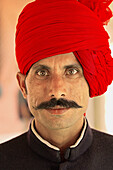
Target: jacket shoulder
{"type": "Point", "coordinates": [15, 141]}
{"type": "Point", "coordinates": [15, 146]}
{"type": "Point", "coordinates": [102, 137]}
{"type": "Point", "coordinates": [102, 142]}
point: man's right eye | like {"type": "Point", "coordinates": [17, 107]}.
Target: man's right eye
{"type": "Point", "coordinates": [42, 73]}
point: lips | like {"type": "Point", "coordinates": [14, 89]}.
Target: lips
{"type": "Point", "coordinates": [57, 111]}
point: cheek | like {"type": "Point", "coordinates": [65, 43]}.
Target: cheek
{"type": "Point", "coordinates": [84, 93]}
{"type": "Point", "coordinates": [79, 91]}
{"type": "Point", "coordinates": [36, 91]}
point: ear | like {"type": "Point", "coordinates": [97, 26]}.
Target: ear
{"type": "Point", "coordinates": [21, 81]}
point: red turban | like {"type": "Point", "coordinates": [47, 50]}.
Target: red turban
{"type": "Point", "coordinates": [49, 27]}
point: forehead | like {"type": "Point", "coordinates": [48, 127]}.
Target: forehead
{"type": "Point", "coordinates": [59, 60]}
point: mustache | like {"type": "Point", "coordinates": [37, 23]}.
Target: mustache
{"type": "Point", "coordinates": [54, 102]}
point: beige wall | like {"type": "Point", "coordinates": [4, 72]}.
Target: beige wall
{"type": "Point", "coordinates": [9, 119]}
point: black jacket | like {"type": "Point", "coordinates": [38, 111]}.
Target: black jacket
{"type": "Point", "coordinates": [26, 152]}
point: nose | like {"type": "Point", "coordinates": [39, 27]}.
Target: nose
{"type": "Point", "coordinates": [57, 88]}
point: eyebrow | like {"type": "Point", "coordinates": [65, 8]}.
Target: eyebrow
{"type": "Point", "coordinates": [72, 66]}
{"type": "Point", "coordinates": [41, 66]}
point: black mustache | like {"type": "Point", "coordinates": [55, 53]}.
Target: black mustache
{"type": "Point", "coordinates": [54, 102]}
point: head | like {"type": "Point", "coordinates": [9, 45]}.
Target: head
{"type": "Point", "coordinates": [56, 34]}
{"type": "Point", "coordinates": [56, 77]}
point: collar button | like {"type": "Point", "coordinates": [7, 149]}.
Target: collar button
{"type": "Point", "coordinates": [67, 154]}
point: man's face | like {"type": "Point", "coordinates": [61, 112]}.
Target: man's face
{"type": "Point", "coordinates": [57, 77]}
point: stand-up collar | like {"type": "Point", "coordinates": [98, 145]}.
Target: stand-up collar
{"type": "Point", "coordinates": [53, 154]}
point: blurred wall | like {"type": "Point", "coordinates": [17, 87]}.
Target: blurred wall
{"type": "Point", "coordinates": [10, 122]}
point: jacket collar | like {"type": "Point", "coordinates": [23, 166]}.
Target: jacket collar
{"type": "Point", "coordinates": [53, 153]}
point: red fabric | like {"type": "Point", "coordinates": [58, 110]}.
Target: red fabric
{"type": "Point", "coordinates": [100, 8]}
{"type": "Point", "coordinates": [97, 68]}
{"type": "Point", "coordinates": [49, 27]}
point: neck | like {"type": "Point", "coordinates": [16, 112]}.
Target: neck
{"type": "Point", "coordinates": [61, 138]}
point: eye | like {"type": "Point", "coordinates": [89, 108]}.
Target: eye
{"type": "Point", "coordinates": [42, 73]}
{"type": "Point", "coordinates": [71, 71]}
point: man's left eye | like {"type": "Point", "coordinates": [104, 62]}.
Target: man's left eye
{"type": "Point", "coordinates": [71, 71]}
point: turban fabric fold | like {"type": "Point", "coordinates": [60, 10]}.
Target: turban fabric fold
{"type": "Point", "coordinates": [98, 69]}
{"type": "Point", "coordinates": [50, 27]}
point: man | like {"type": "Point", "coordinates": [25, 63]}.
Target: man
{"type": "Point", "coordinates": [63, 55]}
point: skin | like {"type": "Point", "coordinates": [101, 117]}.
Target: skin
{"type": "Point", "coordinates": [59, 76]}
